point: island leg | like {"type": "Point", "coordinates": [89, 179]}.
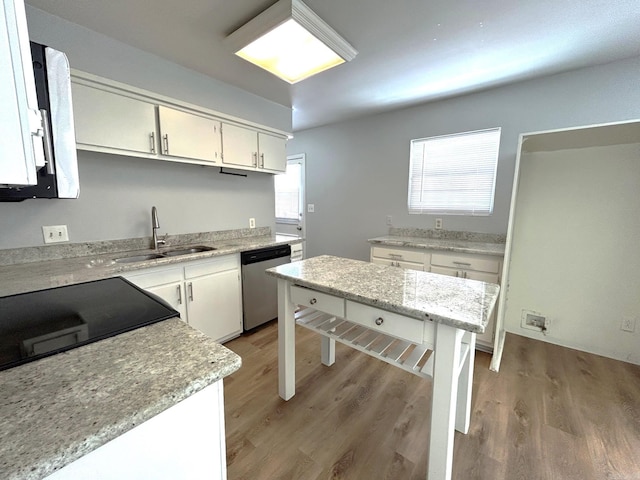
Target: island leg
{"type": "Point", "coordinates": [465, 384]}
{"type": "Point", "coordinates": [444, 397]}
{"type": "Point", "coordinates": [328, 351]}
{"type": "Point", "coordinates": [286, 341]}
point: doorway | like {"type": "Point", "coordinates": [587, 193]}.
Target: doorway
{"type": "Point", "coordinates": [289, 189]}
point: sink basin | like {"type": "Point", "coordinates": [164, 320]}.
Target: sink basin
{"type": "Point", "coordinates": [186, 251]}
{"type": "Point", "coordinates": [138, 258]}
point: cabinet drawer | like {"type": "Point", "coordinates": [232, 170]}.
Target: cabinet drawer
{"type": "Point", "coordinates": [155, 277]}
{"type": "Point", "coordinates": [393, 324]}
{"type": "Point", "coordinates": [466, 262]}
{"type": "Point", "coordinates": [206, 267]}
{"type": "Point", "coordinates": [318, 301]}
{"type": "Point", "coordinates": [398, 263]}
{"type": "Point", "coordinates": [398, 255]}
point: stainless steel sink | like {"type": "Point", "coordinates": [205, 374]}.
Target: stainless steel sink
{"type": "Point", "coordinates": [187, 251]}
{"type": "Point", "coordinates": [138, 258]}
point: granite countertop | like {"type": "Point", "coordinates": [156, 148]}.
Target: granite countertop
{"type": "Point", "coordinates": [38, 275]}
{"type": "Point", "coordinates": [458, 302]}
{"type": "Point", "coordinates": [57, 409]}
{"type": "Point", "coordinates": [445, 244]}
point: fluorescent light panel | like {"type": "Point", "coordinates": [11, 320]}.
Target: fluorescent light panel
{"type": "Point", "coordinates": [290, 41]}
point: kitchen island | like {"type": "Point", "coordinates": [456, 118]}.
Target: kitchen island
{"type": "Point", "coordinates": [142, 404]}
{"type": "Point", "coordinates": [422, 322]}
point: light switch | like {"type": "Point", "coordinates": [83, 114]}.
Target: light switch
{"type": "Point", "coordinates": [311, 208]}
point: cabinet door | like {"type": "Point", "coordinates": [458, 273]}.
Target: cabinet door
{"type": "Point", "coordinates": [105, 119]}
{"type": "Point", "coordinates": [21, 151]}
{"type": "Point", "coordinates": [173, 294]}
{"type": "Point", "coordinates": [188, 136]}
{"type": "Point", "coordinates": [272, 152]}
{"type": "Point", "coordinates": [214, 304]}
{"type": "Point", "coordinates": [239, 146]}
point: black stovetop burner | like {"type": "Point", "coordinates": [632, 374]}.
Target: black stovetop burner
{"type": "Point", "coordinates": [38, 324]}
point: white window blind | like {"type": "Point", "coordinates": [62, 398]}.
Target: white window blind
{"type": "Point", "coordinates": [287, 187]}
{"type": "Point", "coordinates": [454, 174]}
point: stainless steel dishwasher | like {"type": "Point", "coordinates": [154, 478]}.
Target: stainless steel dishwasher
{"type": "Point", "coordinates": [259, 290]}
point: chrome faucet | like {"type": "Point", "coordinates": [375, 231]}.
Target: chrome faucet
{"type": "Point", "coordinates": [155, 225]}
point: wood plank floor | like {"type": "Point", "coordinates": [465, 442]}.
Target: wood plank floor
{"type": "Point", "coordinates": [551, 413]}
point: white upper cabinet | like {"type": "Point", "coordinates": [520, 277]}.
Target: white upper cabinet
{"type": "Point", "coordinates": [239, 146]}
{"type": "Point", "coordinates": [115, 118]}
{"type": "Point", "coordinates": [272, 152]}
{"type": "Point", "coordinates": [21, 149]}
{"type": "Point", "coordinates": [256, 150]}
{"type": "Point", "coordinates": [105, 119]}
{"type": "Point", "coordinates": [186, 135]}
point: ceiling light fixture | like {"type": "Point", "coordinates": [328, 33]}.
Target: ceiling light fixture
{"type": "Point", "coordinates": [290, 41]}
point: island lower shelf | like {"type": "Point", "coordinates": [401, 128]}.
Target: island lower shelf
{"type": "Point", "coordinates": [409, 356]}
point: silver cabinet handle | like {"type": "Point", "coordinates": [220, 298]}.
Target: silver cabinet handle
{"type": "Point", "coordinates": [313, 301]}
{"type": "Point", "coordinates": [179, 295]}
{"type": "Point", "coordinates": [262, 160]}
{"type": "Point", "coordinates": [395, 255]}
{"type": "Point", "coordinates": [152, 141]}
{"type": "Point", "coordinates": [255, 159]}
{"type": "Point", "coordinates": [379, 321]}
{"type": "Point", "coordinates": [190, 287]}
{"type": "Point", "coordinates": [165, 138]}
{"type": "Point", "coordinates": [48, 147]}
{"type": "Point", "coordinates": [464, 264]}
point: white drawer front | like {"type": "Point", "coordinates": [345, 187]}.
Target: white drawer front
{"type": "Point", "coordinates": [398, 263]}
{"type": "Point", "coordinates": [402, 327]}
{"type": "Point", "coordinates": [398, 254]}
{"type": "Point", "coordinates": [213, 265]}
{"type": "Point", "coordinates": [466, 262]}
{"type": "Point", "coordinates": [318, 301]}
{"type": "Point", "coordinates": [158, 276]}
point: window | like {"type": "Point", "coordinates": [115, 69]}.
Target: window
{"type": "Point", "coordinates": [454, 174]}
{"type": "Point", "coordinates": [288, 198]}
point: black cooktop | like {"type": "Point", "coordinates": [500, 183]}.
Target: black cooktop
{"type": "Point", "coordinates": [38, 324]}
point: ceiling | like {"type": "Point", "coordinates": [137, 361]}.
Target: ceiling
{"type": "Point", "coordinates": [410, 51]}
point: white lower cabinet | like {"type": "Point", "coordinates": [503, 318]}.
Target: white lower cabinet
{"type": "Point", "coordinates": [184, 442]}
{"type": "Point", "coordinates": [206, 293]}
{"type": "Point", "coordinates": [485, 268]}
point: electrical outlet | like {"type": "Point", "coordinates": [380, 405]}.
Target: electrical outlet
{"type": "Point", "coordinates": [628, 324]}
{"type": "Point", "coordinates": [55, 233]}
{"type": "Point", "coordinates": [438, 224]}
{"type": "Point", "coordinates": [311, 208]}
{"type": "Point", "coordinates": [252, 223]}
{"type": "Point", "coordinates": [389, 220]}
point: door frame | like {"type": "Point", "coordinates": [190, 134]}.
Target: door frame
{"type": "Point", "coordinates": [301, 158]}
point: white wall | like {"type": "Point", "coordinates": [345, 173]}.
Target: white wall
{"type": "Point", "coordinates": [357, 171]}
{"type": "Point", "coordinates": [116, 193]}
{"type": "Point", "coordinates": [575, 256]}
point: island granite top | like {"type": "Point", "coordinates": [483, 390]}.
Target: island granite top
{"type": "Point", "coordinates": [461, 303]}
{"type": "Point", "coordinates": [57, 409]}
